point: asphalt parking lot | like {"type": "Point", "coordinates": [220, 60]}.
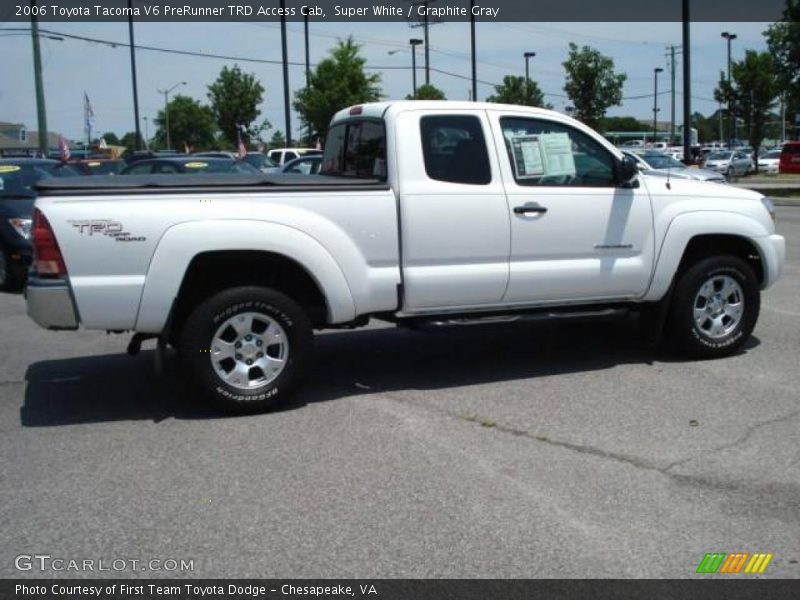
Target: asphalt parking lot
{"type": "Point", "coordinates": [517, 451]}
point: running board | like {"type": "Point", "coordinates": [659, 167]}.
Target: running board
{"type": "Point", "coordinates": [544, 315]}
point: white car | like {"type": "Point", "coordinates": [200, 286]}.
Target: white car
{"type": "Point", "coordinates": [435, 213]}
{"type": "Point", "coordinates": [769, 163]}
{"type": "Point", "coordinates": [662, 165]}
{"type": "Point", "coordinates": [280, 156]}
{"type": "Point", "coordinates": [732, 163]}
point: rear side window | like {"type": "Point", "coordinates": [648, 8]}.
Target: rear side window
{"type": "Point", "coordinates": [289, 156]}
{"type": "Point", "coordinates": [356, 149]}
{"type": "Point", "coordinates": [454, 149]}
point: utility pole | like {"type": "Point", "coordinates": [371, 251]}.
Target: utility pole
{"type": "Point", "coordinates": [687, 82]}
{"type": "Point", "coordinates": [474, 95]}
{"type": "Point", "coordinates": [308, 62]}
{"type": "Point", "coordinates": [133, 79]}
{"type": "Point", "coordinates": [285, 52]}
{"type": "Point", "coordinates": [414, 43]}
{"type": "Point", "coordinates": [41, 112]}
{"type": "Point", "coordinates": [427, 46]}
{"type": "Point", "coordinates": [672, 94]}
{"type": "Point", "coordinates": [783, 117]}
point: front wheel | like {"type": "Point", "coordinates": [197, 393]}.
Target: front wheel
{"type": "Point", "coordinates": [715, 307]}
{"type": "Point", "coordinates": [246, 348]}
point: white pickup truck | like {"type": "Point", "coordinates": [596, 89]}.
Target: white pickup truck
{"type": "Point", "coordinates": [427, 212]}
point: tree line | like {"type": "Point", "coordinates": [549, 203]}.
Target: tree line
{"type": "Point", "coordinates": [591, 84]}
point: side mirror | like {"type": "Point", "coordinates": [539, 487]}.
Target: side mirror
{"type": "Point", "coordinates": [628, 170]}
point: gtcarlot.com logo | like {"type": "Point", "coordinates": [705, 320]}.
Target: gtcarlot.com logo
{"type": "Point", "coordinates": [734, 562]}
{"type": "Point", "coordinates": [46, 562]}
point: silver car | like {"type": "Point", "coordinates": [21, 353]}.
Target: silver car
{"type": "Point", "coordinates": [732, 163]}
{"type": "Point", "coordinates": [662, 165]}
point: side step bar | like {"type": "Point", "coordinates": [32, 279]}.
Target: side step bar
{"type": "Point", "coordinates": [544, 315]}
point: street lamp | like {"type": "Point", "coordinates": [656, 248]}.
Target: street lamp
{"type": "Point", "coordinates": [414, 43]}
{"type": "Point", "coordinates": [166, 108]}
{"type": "Point", "coordinates": [528, 56]}
{"type": "Point", "coordinates": [656, 71]}
{"type": "Point", "coordinates": [731, 121]}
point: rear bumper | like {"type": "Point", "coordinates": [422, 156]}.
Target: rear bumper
{"type": "Point", "coordinates": [50, 303]}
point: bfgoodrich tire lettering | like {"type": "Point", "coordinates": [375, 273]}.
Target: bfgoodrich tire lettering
{"type": "Point", "coordinates": [245, 349]}
{"type": "Point", "coordinates": [715, 307]}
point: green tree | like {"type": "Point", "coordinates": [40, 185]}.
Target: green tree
{"type": "Point", "coordinates": [337, 82]}
{"type": "Point", "coordinates": [515, 90]}
{"type": "Point", "coordinates": [111, 138]}
{"type": "Point", "coordinates": [611, 124]}
{"type": "Point", "coordinates": [278, 140]}
{"type": "Point", "coordinates": [129, 141]}
{"type": "Point", "coordinates": [783, 40]}
{"type": "Point", "coordinates": [235, 97]}
{"type": "Point", "coordinates": [592, 84]}
{"type": "Point", "coordinates": [427, 91]}
{"type": "Point", "coordinates": [190, 123]}
{"type": "Point", "coordinates": [752, 93]}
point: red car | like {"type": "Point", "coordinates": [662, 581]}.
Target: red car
{"type": "Point", "coordinates": [790, 158]}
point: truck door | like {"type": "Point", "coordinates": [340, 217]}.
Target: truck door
{"type": "Point", "coordinates": [576, 235]}
{"type": "Point", "coordinates": [454, 220]}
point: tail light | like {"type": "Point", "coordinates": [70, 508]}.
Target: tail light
{"type": "Point", "coordinates": [47, 259]}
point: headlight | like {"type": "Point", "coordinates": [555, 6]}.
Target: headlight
{"type": "Point", "coordinates": [770, 206]}
{"type": "Point", "coordinates": [22, 227]}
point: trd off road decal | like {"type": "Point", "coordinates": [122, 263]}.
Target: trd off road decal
{"type": "Point", "coordinates": [105, 227]}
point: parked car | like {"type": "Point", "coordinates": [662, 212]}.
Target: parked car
{"type": "Point", "coordinates": [306, 165]}
{"type": "Point", "coordinates": [662, 165]}
{"type": "Point", "coordinates": [732, 163]}
{"type": "Point", "coordinates": [552, 222]}
{"type": "Point", "coordinates": [258, 160]}
{"type": "Point", "coordinates": [17, 193]}
{"type": "Point", "coordinates": [790, 158]}
{"type": "Point", "coordinates": [769, 162]}
{"type": "Point", "coordinates": [187, 164]}
{"type": "Point", "coordinates": [280, 156]}
{"type": "Point", "coordinates": [98, 166]}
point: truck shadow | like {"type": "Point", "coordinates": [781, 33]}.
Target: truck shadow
{"type": "Point", "coordinates": [118, 387]}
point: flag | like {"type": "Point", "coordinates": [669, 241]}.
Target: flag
{"type": "Point", "coordinates": [186, 149]}
{"type": "Point", "coordinates": [88, 112]}
{"type": "Point", "coordinates": [241, 149]}
{"type": "Point", "coordinates": [63, 149]}
{"type": "Point", "coordinates": [102, 145]}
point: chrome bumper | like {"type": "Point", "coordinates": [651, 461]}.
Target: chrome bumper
{"type": "Point", "coordinates": [50, 303]}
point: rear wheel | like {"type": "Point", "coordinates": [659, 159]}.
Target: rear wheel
{"type": "Point", "coordinates": [715, 307]}
{"type": "Point", "coordinates": [246, 349]}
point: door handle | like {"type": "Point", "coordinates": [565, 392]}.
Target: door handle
{"type": "Point", "coordinates": [530, 208]}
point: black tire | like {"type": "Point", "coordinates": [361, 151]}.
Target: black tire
{"type": "Point", "coordinates": [698, 340]}
{"type": "Point", "coordinates": [12, 277]}
{"type": "Point", "coordinates": [203, 324]}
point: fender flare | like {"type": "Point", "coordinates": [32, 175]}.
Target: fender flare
{"type": "Point", "coordinates": [680, 232]}
{"type": "Point", "coordinates": [182, 242]}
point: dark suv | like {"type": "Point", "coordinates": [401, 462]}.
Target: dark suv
{"type": "Point", "coordinates": [18, 177]}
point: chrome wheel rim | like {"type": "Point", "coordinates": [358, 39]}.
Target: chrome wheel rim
{"type": "Point", "coordinates": [719, 306]}
{"type": "Point", "coordinates": [249, 351]}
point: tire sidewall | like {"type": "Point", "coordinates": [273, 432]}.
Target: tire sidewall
{"type": "Point", "coordinates": [206, 319]}
{"type": "Point", "coordinates": [695, 340]}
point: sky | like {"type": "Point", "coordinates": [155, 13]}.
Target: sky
{"type": "Point", "coordinates": [71, 67]}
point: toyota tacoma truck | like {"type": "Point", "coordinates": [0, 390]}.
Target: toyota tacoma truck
{"type": "Point", "coordinates": [425, 213]}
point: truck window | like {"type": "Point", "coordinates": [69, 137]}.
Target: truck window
{"type": "Point", "coordinates": [454, 149]}
{"type": "Point", "coordinates": [356, 149]}
{"type": "Point", "coordinates": [546, 153]}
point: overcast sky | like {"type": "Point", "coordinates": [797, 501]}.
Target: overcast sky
{"type": "Point", "coordinates": [72, 66]}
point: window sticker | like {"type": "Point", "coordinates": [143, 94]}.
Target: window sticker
{"type": "Point", "coordinates": [557, 153]}
{"type": "Point", "coordinates": [196, 165]}
{"type": "Point", "coordinates": [527, 154]}
{"type": "Point", "coordinates": [9, 168]}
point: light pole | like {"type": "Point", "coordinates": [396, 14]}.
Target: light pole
{"type": "Point", "coordinates": [134, 85]}
{"type": "Point", "coordinates": [414, 43]}
{"type": "Point", "coordinates": [528, 56]}
{"type": "Point", "coordinates": [41, 112]}
{"type": "Point", "coordinates": [166, 108]}
{"type": "Point", "coordinates": [656, 71]}
{"type": "Point", "coordinates": [731, 120]}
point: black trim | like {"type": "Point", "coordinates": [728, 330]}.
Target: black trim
{"type": "Point", "coordinates": [204, 183]}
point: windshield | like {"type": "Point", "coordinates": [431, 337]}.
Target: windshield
{"type": "Point", "coordinates": [20, 179]}
{"type": "Point", "coordinates": [773, 154]}
{"type": "Point", "coordinates": [720, 156]}
{"type": "Point", "coordinates": [662, 161]}
{"type": "Point", "coordinates": [104, 167]}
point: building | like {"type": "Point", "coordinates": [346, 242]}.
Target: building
{"type": "Point", "coordinates": [17, 140]}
